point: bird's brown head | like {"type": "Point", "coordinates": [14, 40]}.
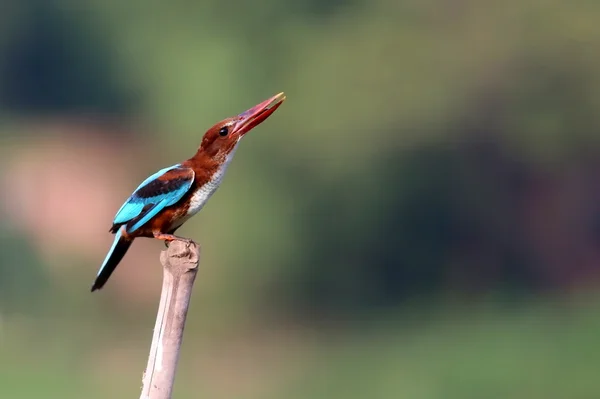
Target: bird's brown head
{"type": "Point", "coordinates": [221, 139]}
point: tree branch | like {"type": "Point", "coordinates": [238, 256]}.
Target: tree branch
{"type": "Point", "coordinates": [180, 264]}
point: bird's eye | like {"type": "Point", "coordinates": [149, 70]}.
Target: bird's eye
{"type": "Point", "coordinates": [224, 130]}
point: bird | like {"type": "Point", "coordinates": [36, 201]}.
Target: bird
{"type": "Point", "coordinates": [167, 199]}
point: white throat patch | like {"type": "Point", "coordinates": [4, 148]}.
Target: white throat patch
{"type": "Point", "coordinates": [208, 189]}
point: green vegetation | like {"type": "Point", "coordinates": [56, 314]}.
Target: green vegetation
{"type": "Point", "coordinates": [535, 352]}
{"type": "Point", "coordinates": [414, 222]}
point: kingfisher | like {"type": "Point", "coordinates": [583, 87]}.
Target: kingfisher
{"type": "Point", "coordinates": [171, 196]}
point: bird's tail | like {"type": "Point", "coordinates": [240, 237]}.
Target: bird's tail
{"type": "Point", "coordinates": [115, 254]}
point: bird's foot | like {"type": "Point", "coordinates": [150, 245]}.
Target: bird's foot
{"type": "Point", "coordinates": [167, 238]}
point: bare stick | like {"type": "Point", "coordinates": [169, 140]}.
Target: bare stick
{"type": "Point", "coordinates": [180, 264]}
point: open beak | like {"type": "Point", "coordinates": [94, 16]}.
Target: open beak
{"type": "Point", "coordinates": [257, 114]}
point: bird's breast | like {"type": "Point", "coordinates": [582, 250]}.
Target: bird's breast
{"type": "Point", "coordinates": [201, 196]}
{"type": "Point", "coordinates": [205, 191]}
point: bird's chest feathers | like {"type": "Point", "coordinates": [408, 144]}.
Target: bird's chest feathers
{"type": "Point", "coordinates": [204, 192]}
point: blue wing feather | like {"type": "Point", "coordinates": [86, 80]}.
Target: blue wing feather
{"type": "Point", "coordinates": [147, 216]}
{"type": "Point", "coordinates": [134, 206]}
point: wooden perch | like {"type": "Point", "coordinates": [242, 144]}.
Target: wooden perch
{"type": "Point", "coordinates": [180, 264]}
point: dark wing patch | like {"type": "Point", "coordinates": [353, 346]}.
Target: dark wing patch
{"type": "Point", "coordinates": [161, 190]}
{"type": "Point", "coordinates": [160, 186]}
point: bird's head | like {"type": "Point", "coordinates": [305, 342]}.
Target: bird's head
{"type": "Point", "coordinates": [221, 139]}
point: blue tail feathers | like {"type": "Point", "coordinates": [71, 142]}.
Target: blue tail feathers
{"type": "Point", "coordinates": [115, 254]}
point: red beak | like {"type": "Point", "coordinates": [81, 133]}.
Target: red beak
{"type": "Point", "coordinates": [257, 114]}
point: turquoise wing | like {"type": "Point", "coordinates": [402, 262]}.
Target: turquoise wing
{"type": "Point", "coordinates": [162, 189]}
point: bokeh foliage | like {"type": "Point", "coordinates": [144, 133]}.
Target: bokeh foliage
{"type": "Point", "coordinates": [429, 153]}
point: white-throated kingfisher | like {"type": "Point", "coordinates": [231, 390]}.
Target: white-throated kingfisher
{"type": "Point", "coordinates": [168, 198]}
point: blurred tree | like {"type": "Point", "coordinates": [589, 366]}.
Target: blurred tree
{"type": "Point", "coordinates": [434, 218]}
{"type": "Point", "coordinates": [387, 210]}
{"type": "Point", "coordinates": [53, 64]}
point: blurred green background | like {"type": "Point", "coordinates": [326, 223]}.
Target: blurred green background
{"type": "Point", "coordinates": [420, 219]}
